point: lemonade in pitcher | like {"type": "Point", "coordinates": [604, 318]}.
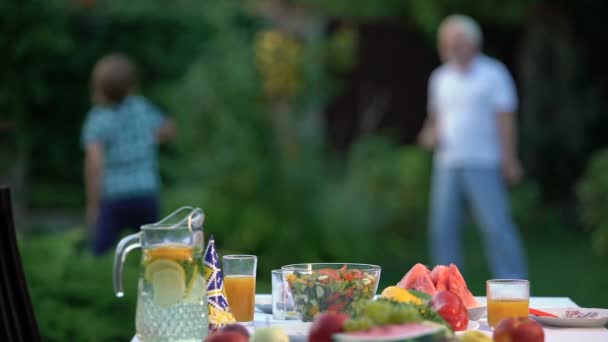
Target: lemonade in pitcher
{"type": "Point", "coordinates": [172, 296]}
{"type": "Point", "coordinates": [171, 293]}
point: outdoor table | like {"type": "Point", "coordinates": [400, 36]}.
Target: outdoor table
{"type": "Point", "coordinates": [297, 330]}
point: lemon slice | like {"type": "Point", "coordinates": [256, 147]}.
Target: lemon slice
{"type": "Point", "coordinates": [174, 252]}
{"type": "Point", "coordinates": [193, 279]}
{"type": "Point", "coordinates": [196, 287]}
{"type": "Point", "coordinates": [168, 281]}
{"type": "Point", "coordinates": [401, 295]}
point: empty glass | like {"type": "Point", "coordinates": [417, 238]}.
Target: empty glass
{"type": "Point", "coordinates": [282, 303]}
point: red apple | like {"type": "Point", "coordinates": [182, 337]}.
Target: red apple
{"type": "Point", "coordinates": [520, 329]}
{"type": "Point", "coordinates": [325, 325]}
{"type": "Point", "coordinates": [450, 307]}
{"type": "Point", "coordinates": [236, 328]}
{"type": "Point", "coordinates": [227, 336]}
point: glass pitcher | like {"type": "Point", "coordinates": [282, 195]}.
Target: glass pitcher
{"type": "Point", "coordinates": [172, 297]}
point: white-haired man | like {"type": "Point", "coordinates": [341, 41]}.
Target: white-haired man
{"type": "Point", "coordinates": [471, 126]}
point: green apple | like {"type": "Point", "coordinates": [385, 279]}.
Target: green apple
{"type": "Point", "coordinates": [269, 335]}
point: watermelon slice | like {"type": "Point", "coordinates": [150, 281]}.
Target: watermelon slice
{"type": "Point", "coordinates": [412, 275]}
{"type": "Point", "coordinates": [440, 277]}
{"type": "Point", "coordinates": [458, 286]}
{"type": "Point", "coordinates": [425, 284]}
{"type": "Point", "coordinates": [410, 332]}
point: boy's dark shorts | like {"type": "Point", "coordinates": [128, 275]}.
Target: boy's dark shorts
{"type": "Point", "coordinates": [116, 215]}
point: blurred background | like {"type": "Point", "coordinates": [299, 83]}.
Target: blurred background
{"type": "Point", "coordinates": [297, 121]}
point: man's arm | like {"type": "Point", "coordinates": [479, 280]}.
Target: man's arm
{"type": "Point", "coordinates": [427, 137]}
{"type": "Point", "coordinates": [93, 169]}
{"type": "Point", "coordinates": [507, 130]}
{"type": "Point", "coordinates": [166, 132]}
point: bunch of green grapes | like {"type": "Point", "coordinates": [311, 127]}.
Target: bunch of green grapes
{"type": "Point", "coordinates": [404, 313]}
{"type": "Point", "coordinates": [358, 324]}
{"type": "Point", "coordinates": [384, 312]}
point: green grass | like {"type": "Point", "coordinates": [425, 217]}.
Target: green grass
{"type": "Point", "coordinates": [561, 264]}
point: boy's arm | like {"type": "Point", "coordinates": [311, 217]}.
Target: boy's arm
{"type": "Point", "coordinates": [93, 169]}
{"type": "Point", "coordinates": [166, 132]}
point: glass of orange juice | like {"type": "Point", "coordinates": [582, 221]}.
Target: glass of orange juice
{"type": "Point", "coordinates": [239, 282]}
{"type": "Point", "coordinates": [507, 298]}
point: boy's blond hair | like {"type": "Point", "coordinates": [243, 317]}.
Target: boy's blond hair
{"type": "Point", "coordinates": [113, 78]}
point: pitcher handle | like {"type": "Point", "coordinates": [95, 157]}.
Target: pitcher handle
{"type": "Point", "coordinates": [125, 245]}
{"type": "Point", "coordinates": [194, 219]}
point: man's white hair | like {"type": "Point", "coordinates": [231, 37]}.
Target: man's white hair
{"type": "Point", "coordinates": [465, 24]}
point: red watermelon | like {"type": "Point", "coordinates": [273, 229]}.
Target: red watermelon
{"type": "Point", "coordinates": [418, 278]}
{"type": "Point", "coordinates": [458, 286]}
{"type": "Point", "coordinates": [440, 279]}
{"type": "Point", "coordinates": [408, 332]}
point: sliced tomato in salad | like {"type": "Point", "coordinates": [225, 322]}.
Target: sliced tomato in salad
{"type": "Point", "coordinates": [331, 273]}
{"type": "Point", "coordinates": [357, 275]}
{"type": "Point", "coordinates": [349, 275]}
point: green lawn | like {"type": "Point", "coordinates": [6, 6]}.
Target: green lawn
{"type": "Point", "coordinates": [561, 264]}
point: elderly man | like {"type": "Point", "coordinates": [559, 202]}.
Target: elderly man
{"type": "Point", "coordinates": [471, 126]}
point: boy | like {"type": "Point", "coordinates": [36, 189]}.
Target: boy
{"type": "Point", "coordinates": [120, 136]}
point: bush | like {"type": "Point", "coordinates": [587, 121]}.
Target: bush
{"type": "Point", "coordinates": [592, 193]}
{"type": "Point", "coordinates": [533, 216]}
{"type": "Point", "coordinates": [71, 290]}
{"type": "Point", "coordinates": [560, 108]}
{"type": "Point", "coordinates": [379, 198]}
{"type": "Point", "coordinates": [316, 212]}
{"type": "Point", "coordinates": [394, 182]}
{"type": "Point", "coordinates": [51, 47]}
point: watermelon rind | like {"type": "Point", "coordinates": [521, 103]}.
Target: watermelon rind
{"type": "Point", "coordinates": [397, 333]}
{"type": "Point", "coordinates": [422, 295]}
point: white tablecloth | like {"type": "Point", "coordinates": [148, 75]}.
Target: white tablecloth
{"type": "Point", "coordinates": [297, 329]}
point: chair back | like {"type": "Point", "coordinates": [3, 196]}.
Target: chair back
{"type": "Point", "coordinates": [17, 320]}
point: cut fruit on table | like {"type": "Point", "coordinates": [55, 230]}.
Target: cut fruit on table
{"type": "Point", "coordinates": [385, 312]}
{"type": "Point", "coordinates": [442, 278]}
{"type": "Point", "coordinates": [400, 295]}
{"type": "Point", "coordinates": [168, 281]}
{"type": "Point", "coordinates": [475, 336]}
{"type": "Point", "coordinates": [450, 307]}
{"type": "Point", "coordinates": [423, 331]}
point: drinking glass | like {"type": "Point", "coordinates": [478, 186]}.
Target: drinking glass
{"type": "Point", "coordinates": [507, 298]}
{"type": "Point", "coordinates": [282, 303]}
{"type": "Point", "coordinates": [239, 282]}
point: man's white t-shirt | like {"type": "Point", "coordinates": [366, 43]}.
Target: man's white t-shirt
{"type": "Point", "coordinates": [467, 103]}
